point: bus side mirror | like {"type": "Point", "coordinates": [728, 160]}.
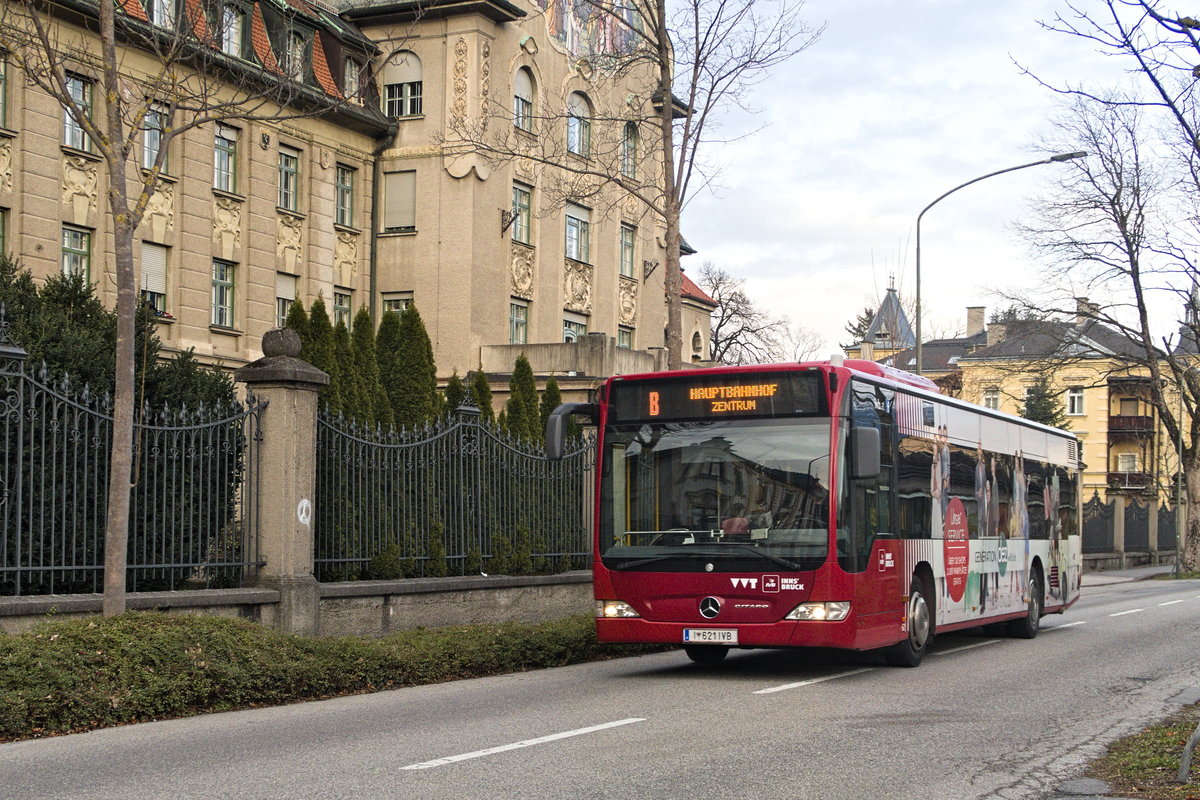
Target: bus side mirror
{"type": "Point", "coordinates": [556, 425]}
{"type": "Point", "coordinates": [864, 449]}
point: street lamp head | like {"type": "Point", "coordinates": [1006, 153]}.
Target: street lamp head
{"type": "Point", "coordinates": [1068, 156]}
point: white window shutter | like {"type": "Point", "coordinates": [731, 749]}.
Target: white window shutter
{"type": "Point", "coordinates": [400, 200]}
{"type": "Point", "coordinates": [523, 85]}
{"type": "Point", "coordinates": [285, 286]}
{"type": "Point", "coordinates": [403, 68]}
{"type": "Point", "coordinates": [154, 268]}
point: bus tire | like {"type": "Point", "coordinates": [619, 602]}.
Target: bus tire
{"type": "Point", "coordinates": [706, 653]}
{"type": "Point", "coordinates": [1027, 626]}
{"type": "Point", "coordinates": [910, 651]}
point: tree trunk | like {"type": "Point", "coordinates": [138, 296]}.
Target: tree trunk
{"type": "Point", "coordinates": [673, 274]}
{"type": "Point", "coordinates": [1189, 547]}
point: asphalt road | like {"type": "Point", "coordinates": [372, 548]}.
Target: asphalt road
{"type": "Point", "coordinates": [982, 717]}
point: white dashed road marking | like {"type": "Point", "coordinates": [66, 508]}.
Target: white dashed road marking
{"type": "Point", "coordinates": [504, 748]}
{"type": "Point", "coordinates": [811, 681]}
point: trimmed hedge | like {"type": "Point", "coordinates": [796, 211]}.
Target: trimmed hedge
{"type": "Point", "coordinates": [65, 677]}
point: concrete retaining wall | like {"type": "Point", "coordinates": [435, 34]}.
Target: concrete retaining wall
{"type": "Point", "coordinates": [359, 608]}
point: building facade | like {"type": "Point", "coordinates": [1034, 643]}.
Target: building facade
{"type": "Point", "coordinates": [363, 197]}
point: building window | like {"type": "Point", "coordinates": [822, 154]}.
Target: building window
{"type": "Point", "coordinates": [625, 337]}
{"type": "Point", "coordinates": [225, 158]}
{"type": "Point", "coordinates": [154, 277]}
{"type": "Point", "coordinates": [222, 293]}
{"type": "Point", "coordinates": [523, 100]}
{"type": "Point", "coordinates": [295, 56]}
{"type": "Point", "coordinates": [991, 399]}
{"type": "Point", "coordinates": [80, 90]}
{"type": "Point", "coordinates": [351, 78]}
{"type": "Point", "coordinates": [1127, 462]}
{"type": "Point", "coordinates": [577, 240]}
{"type": "Point", "coordinates": [402, 86]}
{"type": "Point", "coordinates": [289, 179]}
{"type": "Point", "coordinates": [628, 237]}
{"type": "Point", "coordinates": [520, 210]}
{"type": "Point", "coordinates": [344, 196]}
{"type": "Point", "coordinates": [629, 148]}
{"type": "Point", "coordinates": [341, 308]}
{"type": "Point", "coordinates": [574, 326]}
{"type": "Point", "coordinates": [697, 344]}
{"type": "Point", "coordinates": [3, 93]}
{"type": "Point", "coordinates": [153, 125]}
{"type": "Point", "coordinates": [3, 232]}
{"type": "Point", "coordinates": [400, 201]}
{"type": "Point", "coordinates": [161, 12]}
{"type": "Point", "coordinates": [1075, 401]}
{"type": "Point", "coordinates": [285, 295]}
{"type": "Point", "coordinates": [579, 125]}
{"type": "Point", "coordinates": [233, 26]}
{"type": "Point", "coordinates": [77, 252]}
{"type": "Point", "coordinates": [518, 322]}
{"type": "Point", "coordinates": [397, 302]}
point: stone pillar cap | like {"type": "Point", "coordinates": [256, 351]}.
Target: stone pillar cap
{"type": "Point", "coordinates": [281, 362]}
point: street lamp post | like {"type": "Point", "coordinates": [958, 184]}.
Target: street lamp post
{"type": "Point", "coordinates": [1051, 160]}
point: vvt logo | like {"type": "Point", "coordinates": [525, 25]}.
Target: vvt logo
{"type": "Point", "coordinates": [745, 583]}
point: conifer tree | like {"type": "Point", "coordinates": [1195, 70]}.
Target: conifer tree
{"type": "Point", "coordinates": [387, 354]}
{"type": "Point", "coordinates": [349, 385]}
{"type": "Point", "coordinates": [414, 387]}
{"type": "Point", "coordinates": [318, 350]}
{"type": "Point", "coordinates": [366, 368]}
{"type": "Point", "coordinates": [1043, 405]}
{"type": "Point", "coordinates": [481, 392]}
{"type": "Point", "coordinates": [455, 393]}
{"type": "Point", "coordinates": [551, 399]}
{"type": "Point", "coordinates": [297, 320]}
{"type": "Point", "coordinates": [522, 405]}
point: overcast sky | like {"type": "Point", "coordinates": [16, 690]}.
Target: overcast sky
{"type": "Point", "coordinates": [896, 104]}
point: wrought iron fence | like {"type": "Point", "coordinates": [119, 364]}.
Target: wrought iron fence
{"type": "Point", "coordinates": [458, 496]}
{"type": "Point", "coordinates": [192, 516]}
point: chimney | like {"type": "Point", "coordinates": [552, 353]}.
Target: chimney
{"type": "Point", "coordinates": [996, 332]}
{"type": "Point", "coordinates": [975, 323]}
{"type": "Point", "coordinates": [867, 351]}
{"type": "Point", "coordinates": [1085, 311]}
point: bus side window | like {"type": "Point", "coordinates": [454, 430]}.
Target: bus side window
{"type": "Point", "coordinates": [913, 494]}
{"type": "Point", "coordinates": [870, 498]}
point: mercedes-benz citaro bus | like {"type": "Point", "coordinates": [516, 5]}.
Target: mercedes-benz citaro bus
{"type": "Point", "coordinates": [837, 504]}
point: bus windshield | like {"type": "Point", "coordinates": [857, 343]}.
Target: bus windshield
{"type": "Point", "coordinates": [739, 495]}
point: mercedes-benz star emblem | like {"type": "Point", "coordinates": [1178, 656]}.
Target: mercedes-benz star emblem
{"type": "Point", "coordinates": [710, 607]}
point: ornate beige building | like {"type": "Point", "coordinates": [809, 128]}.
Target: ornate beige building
{"type": "Point", "coordinates": [369, 202]}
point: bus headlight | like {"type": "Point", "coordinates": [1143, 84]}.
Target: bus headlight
{"type": "Point", "coordinates": [820, 612]}
{"type": "Point", "coordinates": [614, 609]}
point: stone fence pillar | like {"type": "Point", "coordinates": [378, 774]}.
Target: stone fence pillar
{"type": "Point", "coordinates": [1119, 502]}
{"type": "Point", "coordinates": [287, 458]}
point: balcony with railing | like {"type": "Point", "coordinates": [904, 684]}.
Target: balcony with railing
{"type": "Point", "coordinates": [1133, 481]}
{"type": "Point", "coordinates": [1121, 424]}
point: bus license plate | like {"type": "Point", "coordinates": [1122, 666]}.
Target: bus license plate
{"type": "Point", "coordinates": [710, 636]}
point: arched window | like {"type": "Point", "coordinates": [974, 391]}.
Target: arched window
{"type": "Point", "coordinates": [629, 150]}
{"type": "Point", "coordinates": [523, 99]}
{"type": "Point", "coordinates": [402, 85]}
{"type": "Point", "coordinates": [579, 125]}
{"type": "Point", "coordinates": [697, 343]}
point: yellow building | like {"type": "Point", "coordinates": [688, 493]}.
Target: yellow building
{"type": "Point", "coordinates": [360, 197]}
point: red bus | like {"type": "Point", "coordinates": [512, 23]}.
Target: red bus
{"type": "Point", "coordinates": [837, 504]}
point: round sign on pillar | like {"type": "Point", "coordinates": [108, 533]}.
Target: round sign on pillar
{"type": "Point", "coordinates": [956, 549]}
{"type": "Point", "coordinates": [304, 511]}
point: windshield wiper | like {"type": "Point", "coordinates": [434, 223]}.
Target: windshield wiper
{"type": "Point", "coordinates": [774, 559]}
{"type": "Point", "coordinates": [692, 553]}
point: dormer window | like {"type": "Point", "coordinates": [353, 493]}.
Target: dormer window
{"type": "Point", "coordinates": [295, 56]}
{"type": "Point", "coordinates": [351, 78]}
{"type": "Point", "coordinates": [161, 12]}
{"type": "Point", "coordinates": [232, 32]}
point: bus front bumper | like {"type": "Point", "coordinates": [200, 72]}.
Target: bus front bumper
{"type": "Point", "coordinates": [785, 633]}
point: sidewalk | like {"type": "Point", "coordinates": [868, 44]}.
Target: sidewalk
{"type": "Point", "coordinates": [1091, 788]}
{"type": "Point", "coordinates": [1124, 575]}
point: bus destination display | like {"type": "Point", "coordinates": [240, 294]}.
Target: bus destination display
{"type": "Point", "coordinates": [749, 395]}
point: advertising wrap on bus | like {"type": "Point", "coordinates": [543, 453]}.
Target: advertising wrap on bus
{"type": "Point", "coordinates": [824, 505]}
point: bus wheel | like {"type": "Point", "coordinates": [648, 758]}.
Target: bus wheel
{"type": "Point", "coordinates": [909, 652]}
{"type": "Point", "coordinates": [1027, 626]}
{"type": "Point", "coordinates": [705, 653]}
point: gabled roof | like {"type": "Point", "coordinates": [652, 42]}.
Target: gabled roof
{"type": "Point", "coordinates": [690, 290]}
{"type": "Point", "coordinates": [938, 355]}
{"type": "Point", "coordinates": [890, 324]}
{"type": "Point", "coordinates": [1031, 339]}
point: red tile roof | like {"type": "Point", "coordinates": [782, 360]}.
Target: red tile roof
{"type": "Point", "coordinates": [690, 289]}
{"type": "Point", "coordinates": [134, 9]}
{"type": "Point", "coordinates": [199, 21]}
{"type": "Point", "coordinates": [321, 68]}
{"type": "Point", "coordinates": [262, 42]}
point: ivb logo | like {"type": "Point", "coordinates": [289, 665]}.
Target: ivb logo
{"type": "Point", "coordinates": [770, 584]}
{"type": "Point", "coordinates": [745, 583]}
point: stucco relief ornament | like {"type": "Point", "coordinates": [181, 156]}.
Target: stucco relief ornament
{"type": "Point", "coordinates": [79, 185]}
{"type": "Point", "coordinates": [522, 272]}
{"type": "Point", "coordinates": [485, 84]}
{"type": "Point", "coordinates": [6, 168]}
{"type": "Point", "coordinates": [227, 225]}
{"type": "Point", "coordinates": [577, 287]}
{"type": "Point", "coordinates": [627, 302]}
{"type": "Point", "coordinates": [460, 83]}
{"type": "Point", "coordinates": [289, 242]}
{"type": "Point", "coordinates": [160, 210]}
{"type": "Point", "coordinates": [345, 255]}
